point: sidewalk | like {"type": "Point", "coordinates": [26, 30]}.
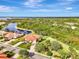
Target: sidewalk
{"type": "Point", "coordinates": [9, 41]}
{"type": "Point", "coordinates": [15, 56]}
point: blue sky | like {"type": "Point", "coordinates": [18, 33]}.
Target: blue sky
{"type": "Point", "coordinates": [39, 7]}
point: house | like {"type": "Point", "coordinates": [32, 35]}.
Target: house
{"type": "Point", "coordinates": [31, 37]}
{"type": "Point", "coordinates": [3, 56]}
{"type": "Point", "coordinates": [11, 35]}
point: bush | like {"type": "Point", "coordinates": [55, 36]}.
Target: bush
{"type": "Point", "coordinates": [1, 37]}
{"type": "Point", "coordinates": [47, 43]}
{"type": "Point", "coordinates": [65, 55]}
{"type": "Point", "coordinates": [9, 53]}
{"type": "Point", "coordinates": [24, 53]}
{"type": "Point", "coordinates": [2, 48]}
{"type": "Point", "coordinates": [49, 53]}
{"type": "Point", "coordinates": [1, 27]}
{"type": "Point", "coordinates": [40, 40]}
{"type": "Point", "coordinates": [74, 53]}
{"type": "Point", "coordinates": [56, 46]}
{"type": "Point", "coordinates": [40, 47]}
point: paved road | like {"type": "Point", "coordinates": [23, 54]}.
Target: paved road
{"type": "Point", "coordinates": [36, 56]}
{"type": "Point", "coordinates": [15, 56]}
{"type": "Point", "coordinates": [10, 47]}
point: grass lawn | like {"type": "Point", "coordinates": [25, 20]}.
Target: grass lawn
{"type": "Point", "coordinates": [22, 58]}
{"type": "Point", "coordinates": [16, 41]}
{"type": "Point", "coordinates": [25, 45]}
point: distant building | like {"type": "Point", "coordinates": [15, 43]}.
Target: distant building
{"type": "Point", "coordinates": [6, 18]}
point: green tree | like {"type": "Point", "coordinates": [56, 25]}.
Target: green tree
{"type": "Point", "coordinates": [49, 53]}
{"type": "Point", "coordinates": [9, 53]}
{"type": "Point", "coordinates": [56, 46]}
{"type": "Point", "coordinates": [24, 53]}
{"type": "Point", "coordinates": [65, 55]}
{"type": "Point", "coordinates": [74, 54]}
{"type": "Point", "coordinates": [40, 47]}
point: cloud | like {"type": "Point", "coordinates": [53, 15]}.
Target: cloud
{"type": "Point", "coordinates": [45, 10]}
{"type": "Point", "coordinates": [6, 8]}
{"type": "Point", "coordinates": [33, 3]}
{"type": "Point", "coordinates": [10, 1]}
{"type": "Point", "coordinates": [68, 5]}
{"type": "Point", "coordinates": [67, 2]}
{"type": "Point", "coordinates": [69, 8]}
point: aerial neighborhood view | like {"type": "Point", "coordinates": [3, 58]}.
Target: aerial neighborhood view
{"type": "Point", "coordinates": [39, 29]}
{"type": "Point", "coordinates": [40, 38]}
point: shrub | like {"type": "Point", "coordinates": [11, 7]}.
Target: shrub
{"type": "Point", "coordinates": [9, 53]}
{"type": "Point", "coordinates": [56, 46]}
{"type": "Point", "coordinates": [24, 53]}
{"type": "Point", "coordinates": [49, 53]}
{"type": "Point", "coordinates": [65, 55]}
{"type": "Point", "coordinates": [40, 47]}
{"type": "Point", "coordinates": [2, 48]}
{"type": "Point", "coordinates": [1, 37]}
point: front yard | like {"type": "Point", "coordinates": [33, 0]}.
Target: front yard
{"type": "Point", "coordinates": [17, 41]}
{"type": "Point", "coordinates": [25, 45]}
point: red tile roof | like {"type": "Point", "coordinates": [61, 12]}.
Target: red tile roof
{"type": "Point", "coordinates": [3, 56]}
{"type": "Point", "coordinates": [32, 37]}
{"type": "Point", "coordinates": [11, 35]}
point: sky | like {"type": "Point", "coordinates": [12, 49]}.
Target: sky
{"type": "Point", "coordinates": [41, 8]}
